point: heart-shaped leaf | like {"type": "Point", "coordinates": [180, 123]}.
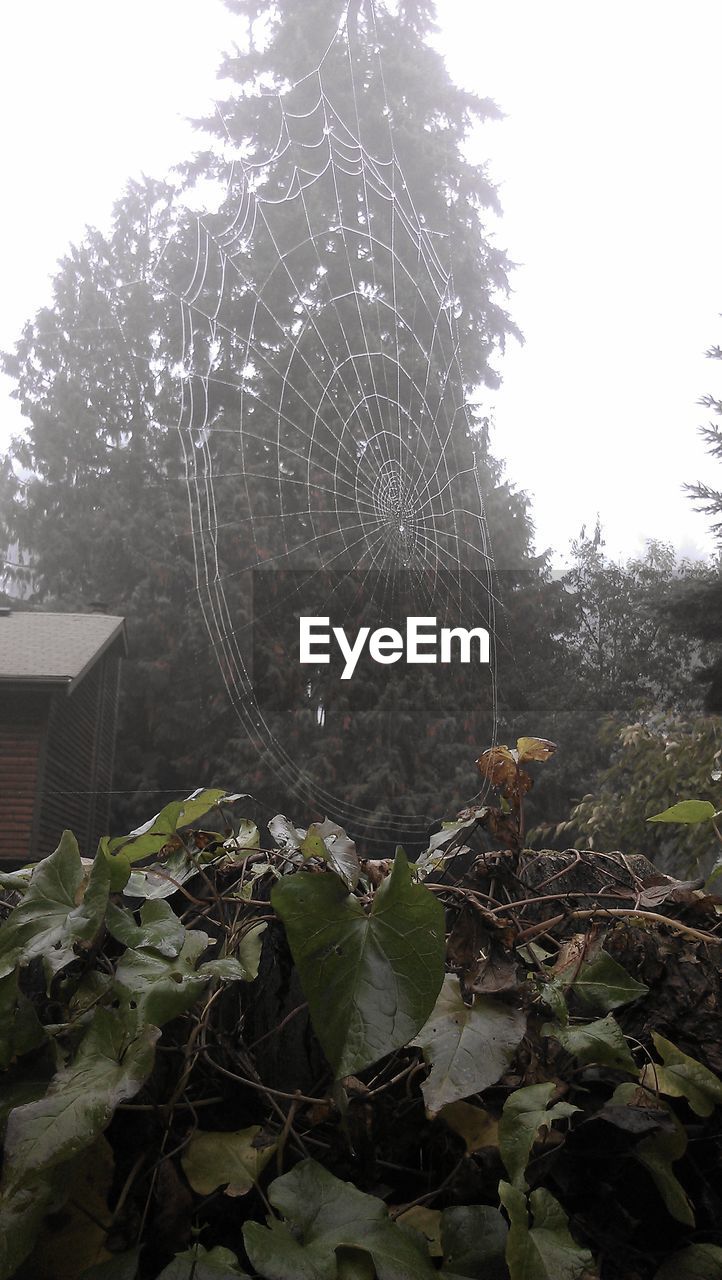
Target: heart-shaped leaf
{"type": "Point", "coordinates": [473, 1239]}
{"type": "Point", "coordinates": [686, 811]}
{"type": "Point", "coordinates": [698, 1262]}
{"type": "Point", "coordinates": [525, 1112]}
{"type": "Point", "coordinates": [683, 1077]}
{"type": "Point", "coordinates": [63, 908]}
{"type": "Point", "coordinates": [110, 1066]}
{"type": "Point", "coordinates": [602, 1042]}
{"type": "Point", "coordinates": [328, 841]}
{"type": "Point", "coordinates": [150, 838]}
{"type": "Point", "coordinates": [468, 1046]}
{"type": "Point", "coordinates": [546, 1249]}
{"type": "Point", "coordinates": [370, 979]}
{"type": "Point", "coordinates": [475, 1125]}
{"type": "Point", "coordinates": [201, 1264]}
{"type": "Point", "coordinates": [602, 984]}
{"type": "Point", "coordinates": [230, 1160]}
{"type": "Point", "coordinates": [324, 1215]}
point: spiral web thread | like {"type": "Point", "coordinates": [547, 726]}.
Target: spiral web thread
{"type": "Point", "coordinates": [365, 460]}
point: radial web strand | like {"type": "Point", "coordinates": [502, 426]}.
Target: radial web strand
{"type": "Point", "coordinates": [330, 456]}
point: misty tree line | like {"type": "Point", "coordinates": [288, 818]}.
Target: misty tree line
{"type": "Point", "coordinates": [614, 663]}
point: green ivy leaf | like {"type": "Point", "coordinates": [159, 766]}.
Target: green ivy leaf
{"type": "Point", "coordinates": [659, 1150]}
{"type": "Point", "coordinates": [154, 834]}
{"type": "Point", "coordinates": [473, 1241]}
{"type": "Point", "coordinates": [428, 1224]}
{"type": "Point", "coordinates": [322, 1215]}
{"type": "Point", "coordinates": [602, 984]}
{"type": "Point", "coordinates": [22, 1210]}
{"type": "Point", "coordinates": [248, 950]}
{"type": "Point", "coordinates": [601, 1042]}
{"type": "Point", "coordinates": [683, 1077]}
{"type": "Point", "coordinates": [524, 1113]}
{"type": "Point", "coordinates": [17, 881]}
{"type": "Point", "coordinates": [159, 929]}
{"type": "Point", "coordinates": [468, 1046]}
{"type": "Point", "coordinates": [698, 1262]}
{"type": "Point", "coordinates": [117, 864]}
{"type": "Point", "coordinates": [20, 1029]}
{"type": "Point", "coordinates": [201, 1264]}
{"type": "Point", "coordinates": [657, 1153]}
{"type": "Point", "coordinates": [247, 837]}
{"type": "Point", "coordinates": [546, 1250]}
{"type": "Point", "coordinates": [109, 1067]}
{"type": "Point", "coordinates": [329, 842]}
{"type": "Point", "coordinates": [284, 834]}
{"type": "Point", "coordinates": [58, 912]}
{"type": "Point", "coordinates": [157, 986]}
{"type": "Point", "coordinates": [17, 1093]}
{"type": "Point", "coordinates": [122, 1266]}
{"type": "Point", "coordinates": [370, 979]}
{"type": "Point", "coordinates": [686, 811]}
{"type": "Point", "coordinates": [552, 993]}
{"type": "Point", "coordinates": [161, 879]}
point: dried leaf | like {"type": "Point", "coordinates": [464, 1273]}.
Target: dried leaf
{"type": "Point", "coordinates": [478, 1127]}
{"type": "Point", "coordinates": [230, 1160]}
{"type": "Point", "coordinates": [535, 749]}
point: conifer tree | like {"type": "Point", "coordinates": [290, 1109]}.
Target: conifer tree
{"type": "Point", "coordinates": [98, 495]}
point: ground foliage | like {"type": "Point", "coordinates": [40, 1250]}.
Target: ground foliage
{"type": "Point", "coordinates": [652, 762]}
{"type": "Point", "coordinates": [232, 1052]}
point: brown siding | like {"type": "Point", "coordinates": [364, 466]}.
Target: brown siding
{"type": "Point", "coordinates": [56, 763]}
{"type": "Point", "coordinates": [79, 760]}
{"type": "Point", "coordinates": [22, 723]}
{"type": "Point", "coordinates": [105, 749]}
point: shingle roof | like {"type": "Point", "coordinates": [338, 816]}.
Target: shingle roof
{"type": "Point", "coordinates": [54, 648]}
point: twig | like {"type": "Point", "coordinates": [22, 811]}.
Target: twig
{"type": "Point", "coordinates": [631, 913]}
{"type": "Point", "coordinates": [537, 930]}
{"type": "Point", "coordinates": [162, 1106]}
{"type": "Point", "coordinates": [281, 1025]}
{"type": "Point", "coordinates": [262, 1088]}
{"type": "Point", "coordinates": [271, 1094]}
{"type": "Point", "coordinates": [373, 1093]}
{"type": "Point", "coordinates": [430, 1195]}
{"type": "Point", "coordinates": [548, 897]}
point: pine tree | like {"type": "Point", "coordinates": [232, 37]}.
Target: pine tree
{"type": "Point", "coordinates": [93, 493]}
{"type": "Point", "coordinates": [100, 500]}
{"type": "Point", "coordinates": [696, 609]}
{"type": "Point", "coordinates": [376, 746]}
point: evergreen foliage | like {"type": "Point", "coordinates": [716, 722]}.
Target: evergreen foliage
{"type": "Point", "coordinates": [95, 493]}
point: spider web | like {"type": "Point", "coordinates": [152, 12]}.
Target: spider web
{"type": "Point", "coordinates": [323, 417]}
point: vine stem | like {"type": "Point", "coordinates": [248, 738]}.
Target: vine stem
{"type": "Point", "coordinates": [430, 1195]}
{"type": "Point", "coordinates": [630, 913]}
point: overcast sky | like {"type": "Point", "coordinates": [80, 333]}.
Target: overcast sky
{"type": "Point", "coordinates": [611, 184]}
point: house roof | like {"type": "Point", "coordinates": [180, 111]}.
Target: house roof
{"type": "Point", "coordinates": [54, 648]}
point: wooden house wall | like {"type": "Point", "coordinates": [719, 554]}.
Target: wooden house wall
{"type": "Point", "coordinates": [79, 761]}
{"type": "Point", "coordinates": [23, 717]}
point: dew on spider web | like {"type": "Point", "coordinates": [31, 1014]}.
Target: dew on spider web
{"type": "Point", "coordinates": [323, 416]}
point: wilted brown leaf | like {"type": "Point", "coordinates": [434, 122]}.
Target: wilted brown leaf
{"type": "Point", "coordinates": [475, 1125]}
{"type": "Point", "coordinates": [499, 767]}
